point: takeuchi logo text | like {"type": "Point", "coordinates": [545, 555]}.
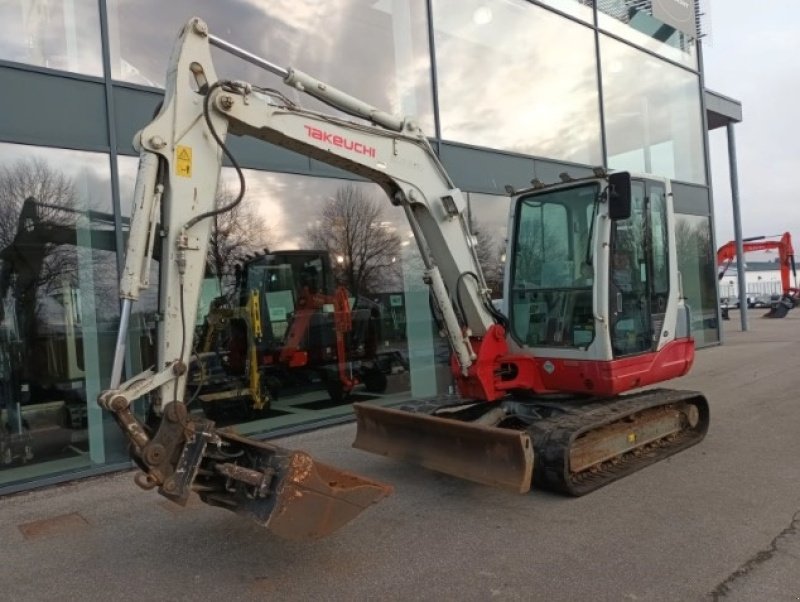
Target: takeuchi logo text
{"type": "Point", "coordinates": [340, 141]}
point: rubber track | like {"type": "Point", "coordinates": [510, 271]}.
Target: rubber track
{"type": "Point", "coordinates": [553, 437]}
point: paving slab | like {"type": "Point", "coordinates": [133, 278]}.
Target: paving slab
{"type": "Point", "coordinates": [718, 521]}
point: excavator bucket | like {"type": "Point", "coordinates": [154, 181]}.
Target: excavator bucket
{"type": "Point", "coordinates": [286, 491]}
{"type": "Point", "coordinates": [779, 309]}
{"type": "Point", "coordinates": [490, 456]}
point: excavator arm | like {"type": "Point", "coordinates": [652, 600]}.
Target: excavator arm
{"type": "Point", "coordinates": [181, 153]}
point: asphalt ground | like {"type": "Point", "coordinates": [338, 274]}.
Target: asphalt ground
{"type": "Point", "coordinates": [718, 521]}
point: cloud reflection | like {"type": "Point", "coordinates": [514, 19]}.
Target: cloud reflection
{"type": "Point", "coordinates": [525, 81]}
{"type": "Point", "coordinates": [375, 50]}
{"type": "Point", "coordinates": [57, 35]}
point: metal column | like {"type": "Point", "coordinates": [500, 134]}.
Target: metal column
{"type": "Point", "coordinates": [737, 225]}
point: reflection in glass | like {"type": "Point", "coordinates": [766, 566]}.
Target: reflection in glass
{"type": "Point", "coordinates": [633, 21]}
{"type": "Point", "coordinates": [353, 231]}
{"type": "Point", "coordinates": [580, 9]}
{"type": "Point", "coordinates": [488, 215]}
{"type": "Point", "coordinates": [376, 51]}
{"type": "Point", "coordinates": [639, 278]}
{"type": "Point", "coordinates": [316, 296]}
{"type": "Point", "coordinates": [653, 115]}
{"type": "Point", "coordinates": [520, 78]}
{"type": "Point", "coordinates": [57, 295]}
{"type": "Point", "coordinates": [52, 33]}
{"type": "Point", "coordinates": [551, 281]}
{"type": "Point", "coordinates": [696, 261]}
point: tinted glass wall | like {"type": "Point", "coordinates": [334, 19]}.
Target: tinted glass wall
{"type": "Point", "coordinates": [503, 83]}
{"type": "Point", "coordinates": [653, 114]}
{"type": "Point", "coordinates": [58, 287]}
{"type": "Point", "coordinates": [53, 34]}
{"type": "Point", "coordinates": [387, 40]}
{"type": "Point", "coordinates": [696, 261]}
{"type": "Point", "coordinates": [635, 23]}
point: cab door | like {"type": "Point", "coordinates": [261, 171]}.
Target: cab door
{"type": "Point", "coordinates": [639, 278]}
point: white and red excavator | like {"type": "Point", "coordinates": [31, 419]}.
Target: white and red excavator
{"type": "Point", "coordinates": [592, 296]}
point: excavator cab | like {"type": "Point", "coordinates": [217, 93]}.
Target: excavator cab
{"type": "Point", "coordinates": [313, 330]}
{"type": "Point", "coordinates": [588, 253]}
{"type": "Point", "coordinates": [594, 311]}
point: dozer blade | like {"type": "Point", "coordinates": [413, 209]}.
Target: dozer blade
{"type": "Point", "coordinates": [286, 491]}
{"type": "Point", "coordinates": [486, 455]}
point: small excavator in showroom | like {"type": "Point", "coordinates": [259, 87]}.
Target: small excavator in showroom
{"type": "Point", "coordinates": [592, 299]}
{"type": "Point", "coordinates": [285, 323]}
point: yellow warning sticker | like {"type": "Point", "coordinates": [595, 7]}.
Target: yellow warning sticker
{"type": "Point", "coordinates": [183, 161]}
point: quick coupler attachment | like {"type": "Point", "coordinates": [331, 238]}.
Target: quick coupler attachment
{"type": "Point", "coordinates": [286, 491]}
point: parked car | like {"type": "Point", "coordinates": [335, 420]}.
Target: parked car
{"type": "Point", "coordinates": [753, 300]}
{"type": "Point", "coordinates": [764, 300]}
{"type": "Point", "coordinates": [731, 302]}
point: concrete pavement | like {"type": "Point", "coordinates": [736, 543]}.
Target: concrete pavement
{"type": "Point", "coordinates": [718, 521]}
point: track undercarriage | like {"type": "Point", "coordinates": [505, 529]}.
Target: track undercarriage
{"type": "Point", "coordinates": [565, 444]}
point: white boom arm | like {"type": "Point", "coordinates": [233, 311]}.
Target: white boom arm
{"type": "Point", "coordinates": [181, 153]}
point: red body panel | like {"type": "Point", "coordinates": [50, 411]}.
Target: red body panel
{"type": "Point", "coordinates": [495, 371]}
{"type": "Point", "coordinates": [608, 378]}
{"type": "Point", "coordinates": [308, 304]}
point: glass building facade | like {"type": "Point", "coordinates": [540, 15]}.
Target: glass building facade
{"type": "Point", "coordinates": [508, 90]}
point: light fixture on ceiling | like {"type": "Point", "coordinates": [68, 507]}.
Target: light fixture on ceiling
{"type": "Point", "coordinates": [482, 15]}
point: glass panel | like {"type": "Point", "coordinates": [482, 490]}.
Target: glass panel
{"type": "Point", "coordinates": [58, 283]}
{"type": "Point", "coordinates": [580, 9]}
{"type": "Point", "coordinates": [287, 245]}
{"type": "Point", "coordinates": [52, 33]}
{"type": "Point", "coordinates": [639, 288]}
{"type": "Point", "coordinates": [552, 280]}
{"type": "Point", "coordinates": [658, 232]}
{"type": "Point", "coordinates": [633, 20]}
{"type": "Point", "coordinates": [696, 259]}
{"type": "Point", "coordinates": [488, 216]}
{"type": "Point", "coordinates": [653, 115]}
{"type": "Point", "coordinates": [629, 288]}
{"type": "Point", "coordinates": [538, 69]}
{"type": "Point", "coordinates": [387, 41]}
